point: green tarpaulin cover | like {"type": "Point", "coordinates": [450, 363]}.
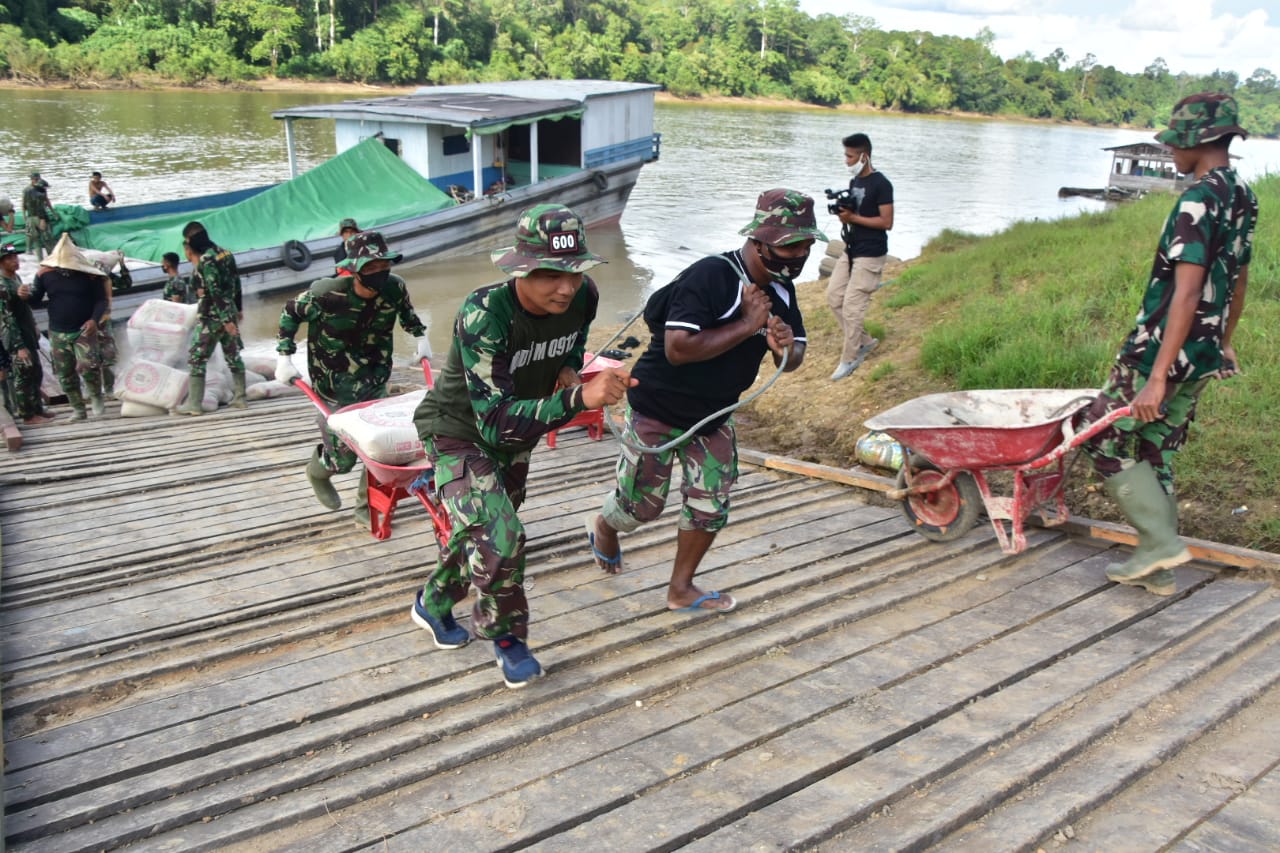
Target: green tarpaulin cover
{"type": "Point", "coordinates": [367, 183]}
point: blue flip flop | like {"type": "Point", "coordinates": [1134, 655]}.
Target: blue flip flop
{"type": "Point", "coordinates": [611, 564]}
{"type": "Point", "coordinates": [697, 607]}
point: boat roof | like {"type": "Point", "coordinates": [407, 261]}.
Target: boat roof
{"type": "Point", "coordinates": [471, 105]}
{"type": "Point", "coordinates": [1142, 149]}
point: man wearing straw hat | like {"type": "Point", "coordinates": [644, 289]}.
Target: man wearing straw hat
{"type": "Point", "coordinates": [77, 294]}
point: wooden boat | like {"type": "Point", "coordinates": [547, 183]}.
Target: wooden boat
{"type": "Point", "coordinates": [1136, 169]}
{"type": "Point", "coordinates": [443, 171]}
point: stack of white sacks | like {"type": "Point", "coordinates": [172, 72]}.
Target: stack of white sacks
{"type": "Point", "coordinates": [153, 376]}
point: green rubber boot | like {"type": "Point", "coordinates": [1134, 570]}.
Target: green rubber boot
{"type": "Point", "coordinates": [237, 398]}
{"type": "Point", "coordinates": [361, 511]}
{"type": "Point", "coordinates": [321, 477]}
{"type": "Point", "coordinates": [194, 404]}
{"type": "Point", "coordinates": [93, 384]}
{"type": "Point", "coordinates": [1154, 515]}
{"type": "Point", "coordinates": [77, 404]}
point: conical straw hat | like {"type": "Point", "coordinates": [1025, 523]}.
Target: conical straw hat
{"type": "Point", "coordinates": [65, 256]}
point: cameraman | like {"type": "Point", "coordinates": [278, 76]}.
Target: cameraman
{"type": "Point", "coordinates": [867, 215]}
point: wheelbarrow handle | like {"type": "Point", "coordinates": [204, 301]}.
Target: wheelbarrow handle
{"type": "Point", "coordinates": [324, 408]}
{"type": "Point", "coordinates": [319, 402]}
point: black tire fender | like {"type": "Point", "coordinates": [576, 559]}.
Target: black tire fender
{"type": "Point", "coordinates": [296, 255]}
{"type": "Point", "coordinates": [601, 180]}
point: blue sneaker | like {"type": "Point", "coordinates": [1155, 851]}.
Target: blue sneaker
{"type": "Point", "coordinates": [446, 632]}
{"type": "Point", "coordinates": [518, 666]}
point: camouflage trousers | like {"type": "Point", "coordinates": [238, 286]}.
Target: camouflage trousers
{"type": "Point", "coordinates": [480, 491]}
{"type": "Point", "coordinates": [1129, 441]}
{"type": "Point", "coordinates": [709, 464]}
{"type": "Point", "coordinates": [39, 237]}
{"type": "Point", "coordinates": [77, 354]}
{"type": "Point", "coordinates": [202, 347]}
{"type": "Point", "coordinates": [24, 386]}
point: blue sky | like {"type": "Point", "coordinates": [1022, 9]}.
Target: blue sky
{"type": "Point", "coordinates": [1197, 36]}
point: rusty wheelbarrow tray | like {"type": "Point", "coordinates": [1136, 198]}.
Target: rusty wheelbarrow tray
{"type": "Point", "coordinates": [951, 441]}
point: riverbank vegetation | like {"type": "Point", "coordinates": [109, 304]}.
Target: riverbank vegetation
{"type": "Point", "coordinates": [736, 48]}
{"type": "Point", "coordinates": [1046, 305]}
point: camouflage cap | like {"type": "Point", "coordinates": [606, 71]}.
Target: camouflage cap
{"type": "Point", "coordinates": [1201, 118]}
{"type": "Point", "coordinates": [368, 246]}
{"type": "Point", "coordinates": [783, 216]}
{"type": "Point", "coordinates": [548, 237]}
{"type": "Point", "coordinates": [35, 174]}
{"type": "Point", "coordinates": [348, 224]}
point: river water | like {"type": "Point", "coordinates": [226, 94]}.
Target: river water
{"type": "Point", "coordinates": [965, 174]}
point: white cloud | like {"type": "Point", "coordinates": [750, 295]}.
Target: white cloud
{"type": "Point", "coordinates": [1196, 36]}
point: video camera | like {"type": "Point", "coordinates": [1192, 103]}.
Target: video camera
{"type": "Point", "coordinates": [839, 199]}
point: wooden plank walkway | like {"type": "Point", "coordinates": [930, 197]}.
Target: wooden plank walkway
{"type": "Point", "coordinates": [197, 656]}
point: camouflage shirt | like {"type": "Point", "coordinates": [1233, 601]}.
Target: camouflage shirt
{"type": "Point", "coordinates": [218, 277]}
{"type": "Point", "coordinates": [1212, 226]}
{"type": "Point", "coordinates": [10, 332]}
{"type": "Point", "coordinates": [17, 316]}
{"type": "Point", "coordinates": [349, 338]}
{"type": "Point", "coordinates": [181, 286]}
{"type": "Point", "coordinates": [497, 389]}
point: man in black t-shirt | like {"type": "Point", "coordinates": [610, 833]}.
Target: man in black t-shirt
{"type": "Point", "coordinates": [867, 218]}
{"type": "Point", "coordinates": [712, 326]}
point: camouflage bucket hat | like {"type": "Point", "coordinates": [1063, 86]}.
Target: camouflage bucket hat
{"type": "Point", "coordinates": [348, 224]}
{"type": "Point", "coordinates": [783, 216]}
{"type": "Point", "coordinates": [548, 237]}
{"type": "Point", "coordinates": [1201, 118]}
{"type": "Point", "coordinates": [368, 246]}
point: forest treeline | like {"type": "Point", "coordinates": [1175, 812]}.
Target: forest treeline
{"type": "Point", "coordinates": [743, 48]}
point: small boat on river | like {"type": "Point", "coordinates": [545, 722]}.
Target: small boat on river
{"type": "Point", "coordinates": [444, 171]}
{"type": "Point", "coordinates": [1136, 169]}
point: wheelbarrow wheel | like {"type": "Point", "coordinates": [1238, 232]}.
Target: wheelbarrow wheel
{"type": "Point", "coordinates": [946, 514]}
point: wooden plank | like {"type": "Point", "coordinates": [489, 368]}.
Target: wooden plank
{"type": "Point", "coordinates": [9, 429]}
{"type": "Point", "coordinates": [648, 668]}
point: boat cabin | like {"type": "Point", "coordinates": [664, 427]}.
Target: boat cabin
{"type": "Point", "coordinates": [478, 139]}
{"type": "Point", "coordinates": [1144, 167]}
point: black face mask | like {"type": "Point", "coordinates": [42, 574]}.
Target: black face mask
{"type": "Point", "coordinates": [781, 270]}
{"type": "Point", "coordinates": [375, 280]}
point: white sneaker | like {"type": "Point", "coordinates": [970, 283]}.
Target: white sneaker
{"type": "Point", "coordinates": [844, 368]}
{"type": "Point", "coordinates": [865, 349]}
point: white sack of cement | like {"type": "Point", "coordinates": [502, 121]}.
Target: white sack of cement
{"type": "Point", "coordinates": [382, 431]}
{"type": "Point", "coordinates": [152, 384]}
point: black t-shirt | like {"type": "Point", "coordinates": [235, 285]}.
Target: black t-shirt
{"type": "Point", "coordinates": [74, 297]}
{"type": "Point", "coordinates": [869, 194]}
{"type": "Point", "coordinates": [706, 295]}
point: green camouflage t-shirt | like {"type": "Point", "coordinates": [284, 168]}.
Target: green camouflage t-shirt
{"type": "Point", "coordinates": [1212, 226]}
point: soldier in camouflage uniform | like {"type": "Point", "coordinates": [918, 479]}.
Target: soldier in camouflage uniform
{"type": "Point", "coordinates": [218, 312]}
{"type": "Point", "coordinates": [37, 214]}
{"type": "Point", "coordinates": [351, 321]}
{"type": "Point", "coordinates": [177, 288]}
{"type": "Point", "coordinates": [1181, 339]}
{"type": "Point", "coordinates": [512, 376]}
{"type": "Point", "coordinates": [710, 328]}
{"type": "Point", "coordinates": [20, 336]}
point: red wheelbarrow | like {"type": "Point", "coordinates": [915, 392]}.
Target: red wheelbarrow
{"type": "Point", "coordinates": [389, 484]}
{"type": "Point", "coordinates": [952, 441]}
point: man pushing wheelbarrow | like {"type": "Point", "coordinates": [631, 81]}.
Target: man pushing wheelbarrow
{"type": "Point", "coordinates": [1181, 340]}
{"type": "Point", "coordinates": [351, 320]}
